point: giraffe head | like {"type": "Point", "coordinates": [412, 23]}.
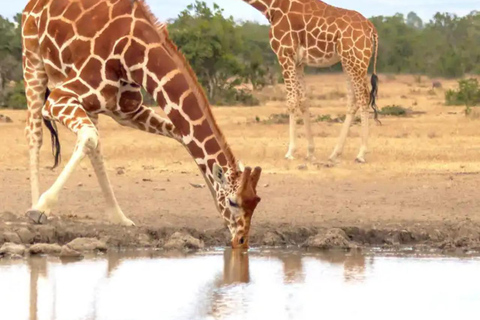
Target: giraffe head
{"type": "Point", "coordinates": [237, 200]}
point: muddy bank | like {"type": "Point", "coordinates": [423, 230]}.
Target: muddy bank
{"type": "Point", "coordinates": [67, 237]}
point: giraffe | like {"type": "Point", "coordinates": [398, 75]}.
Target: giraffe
{"type": "Point", "coordinates": [83, 58]}
{"type": "Point", "coordinates": [311, 32]}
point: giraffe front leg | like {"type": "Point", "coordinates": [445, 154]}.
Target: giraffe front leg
{"type": "Point", "coordinates": [34, 138]}
{"type": "Point", "coordinates": [114, 211]}
{"type": "Point", "coordinates": [292, 145]}
{"type": "Point", "coordinates": [70, 113]}
{"type": "Point", "coordinates": [304, 108]}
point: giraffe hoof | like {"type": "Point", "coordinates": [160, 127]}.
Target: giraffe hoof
{"type": "Point", "coordinates": [289, 157]}
{"type": "Point", "coordinates": [36, 216]}
{"type": "Point", "coordinates": [360, 160]}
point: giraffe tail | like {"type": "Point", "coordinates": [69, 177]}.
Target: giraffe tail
{"type": "Point", "coordinates": [374, 79]}
{"type": "Point", "coordinates": [52, 127]}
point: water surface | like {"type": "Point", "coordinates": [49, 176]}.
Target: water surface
{"type": "Point", "coordinates": [240, 285]}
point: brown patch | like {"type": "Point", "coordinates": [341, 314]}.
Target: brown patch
{"type": "Point", "coordinates": [137, 76]}
{"type": "Point", "coordinates": [30, 27]}
{"type": "Point", "coordinates": [135, 54]}
{"type": "Point", "coordinates": [91, 73]}
{"type": "Point", "coordinates": [151, 84]}
{"type": "Point", "coordinates": [129, 101]}
{"type": "Point", "coordinates": [179, 122]}
{"type": "Point", "coordinates": [95, 20]}
{"type": "Point", "coordinates": [159, 62]}
{"type": "Point", "coordinates": [56, 8]}
{"type": "Point", "coordinates": [109, 93]}
{"type": "Point", "coordinates": [91, 103]}
{"type": "Point", "coordinates": [202, 131]}
{"type": "Point", "coordinates": [212, 146]}
{"type": "Point", "coordinates": [162, 102]}
{"type": "Point", "coordinates": [175, 88]}
{"type": "Point", "coordinates": [195, 150]}
{"type": "Point", "coordinates": [120, 46]}
{"type": "Point", "coordinates": [121, 8]}
{"type": "Point", "coordinates": [145, 32]}
{"type": "Point", "coordinates": [116, 30]}
{"type": "Point", "coordinates": [78, 87]}
{"type": "Point", "coordinates": [87, 4]}
{"type": "Point", "coordinates": [68, 55]}
{"type": "Point", "coordinates": [191, 108]}
{"type": "Point", "coordinates": [73, 11]}
{"type": "Point", "coordinates": [113, 69]}
{"type": "Point", "coordinates": [222, 160]}
{"type": "Point", "coordinates": [49, 50]}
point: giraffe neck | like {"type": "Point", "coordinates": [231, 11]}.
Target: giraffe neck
{"type": "Point", "coordinates": [170, 80]}
{"type": "Point", "coordinates": [264, 6]}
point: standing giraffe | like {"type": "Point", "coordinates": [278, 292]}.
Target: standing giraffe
{"type": "Point", "coordinates": [311, 32]}
{"type": "Point", "coordinates": [82, 58]}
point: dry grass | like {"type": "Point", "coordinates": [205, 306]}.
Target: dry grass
{"type": "Point", "coordinates": [441, 140]}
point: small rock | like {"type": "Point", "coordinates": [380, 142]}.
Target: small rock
{"type": "Point", "coordinates": [87, 244]}
{"type": "Point", "coordinates": [333, 239]}
{"type": "Point", "coordinates": [120, 170]}
{"type": "Point", "coordinates": [45, 234]}
{"type": "Point", "coordinates": [8, 216]}
{"type": "Point", "coordinates": [302, 167]}
{"type": "Point", "coordinates": [144, 240]}
{"type": "Point", "coordinates": [266, 185]}
{"type": "Point", "coordinates": [198, 186]}
{"type": "Point", "coordinates": [12, 237]}
{"type": "Point", "coordinates": [26, 236]}
{"type": "Point", "coordinates": [67, 252]}
{"type": "Point", "coordinates": [183, 241]}
{"type": "Point", "coordinates": [272, 239]}
{"type": "Point", "coordinates": [5, 119]}
{"type": "Point", "coordinates": [45, 248]}
{"type": "Point", "coordinates": [80, 184]}
{"type": "Point", "coordinates": [146, 180]}
{"type": "Point", "coordinates": [148, 167]}
{"type": "Point", "coordinates": [10, 249]}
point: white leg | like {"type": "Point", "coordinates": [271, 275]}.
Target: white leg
{"type": "Point", "coordinates": [113, 209]}
{"type": "Point", "coordinates": [34, 181]}
{"type": "Point", "coordinates": [293, 137]}
{"type": "Point", "coordinates": [308, 129]}
{"type": "Point", "coordinates": [363, 147]}
{"type": "Point", "coordinates": [87, 140]}
{"type": "Point", "coordinates": [343, 136]}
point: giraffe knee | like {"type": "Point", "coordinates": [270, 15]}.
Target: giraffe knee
{"type": "Point", "coordinates": [88, 139]}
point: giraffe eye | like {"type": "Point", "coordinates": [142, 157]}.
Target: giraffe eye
{"type": "Point", "coordinates": [232, 203]}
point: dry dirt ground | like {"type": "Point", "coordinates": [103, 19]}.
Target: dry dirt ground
{"type": "Point", "coordinates": [418, 187]}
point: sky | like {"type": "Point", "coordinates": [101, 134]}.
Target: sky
{"type": "Point", "coordinates": [167, 9]}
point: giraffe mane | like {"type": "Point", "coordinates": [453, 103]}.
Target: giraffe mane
{"type": "Point", "coordinates": [192, 81]}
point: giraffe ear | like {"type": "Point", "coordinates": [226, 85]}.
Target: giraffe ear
{"type": "Point", "coordinates": [240, 166]}
{"type": "Point", "coordinates": [218, 175]}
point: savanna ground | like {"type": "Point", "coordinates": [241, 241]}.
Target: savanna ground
{"type": "Point", "coordinates": [418, 187]}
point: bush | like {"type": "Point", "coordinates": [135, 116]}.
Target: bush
{"type": "Point", "coordinates": [467, 94]}
{"type": "Point", "coordinates": [14, 97]}
{"type": "Point", "coordinates": [394, 110]}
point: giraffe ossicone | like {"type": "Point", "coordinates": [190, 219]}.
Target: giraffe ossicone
{"type": "Point", "coordinates": [89, 57]}
{"type": "Point", "coordinates": [311, 32]}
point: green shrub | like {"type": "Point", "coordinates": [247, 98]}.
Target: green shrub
{"type": "Point", "coordinates": [467, 94]}
{"type": "Point", "coordinates": [14, 97]}
{"type": "Point", "coordinates": [393, 110]}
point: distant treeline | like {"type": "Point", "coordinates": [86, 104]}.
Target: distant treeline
{"type": "Point", "coordinates": [226, 53]}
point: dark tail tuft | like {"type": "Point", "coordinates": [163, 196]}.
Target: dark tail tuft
{"type": "Point", "coordinates": [52, 127]}
{"type": "Point", "coordinates": [373, 97]}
